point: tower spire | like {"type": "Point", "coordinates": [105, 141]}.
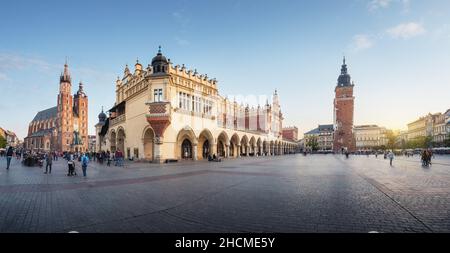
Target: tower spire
{"type": "Point", "coordinates": [65, 76]}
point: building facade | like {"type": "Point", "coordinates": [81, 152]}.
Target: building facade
{"type": "Point", "coordinates": [343, 113]}
{"type": "Point", "coordinates": [320, 138]}
{"type": "Point", "coordinates": [290, 133]}
{"type": "Point", "coordinates": [62, 128]}
{"type": "Point", "coordinates": [423, 127]}
{"type": "Point", "coordinates": [369, 137]}
{"type": "Point", "coordinates": [92, 139]}
{"type": "Point", "coordinates": [439, 130]}
{"type": "Point", "coordinates": [402, 139]}
{"type": "Point", "coordinates": [10, 137]}
{"type": "Point", "coordinates": [166, 112]}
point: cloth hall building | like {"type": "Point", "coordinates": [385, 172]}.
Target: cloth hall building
{"type": "Point", "coordinates": [165, 112]}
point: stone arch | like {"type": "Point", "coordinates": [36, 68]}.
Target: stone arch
{"type": "Point", "coordinates": [121, 139]}
{"type": "Point", "coordinates": [206, 144]}
{"type": "Point", "coordinates": [148, 141]}
{"type": "Point", "coordinates": [252, 146]}
{"type": "Point", "coordinates": [271, 148]}
{"type": "Point", "coordinates": [222, 144]}
{"type": "Point", "coordinates": [113, 141]}
{"type": "Point", "coordinates": [244, 146]}
{"type": "Point", "coordinates": [234, 145]}
{"type": "Point", "coordinates": [186, 149]}
{"type": "Point", "coordinates": [259, 146]}
{"type": "Point", "coordinates": [265, 147]}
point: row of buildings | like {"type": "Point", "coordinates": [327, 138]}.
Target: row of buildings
{"type": "Point", "coordinates": [435, 127]}
{"type": "Point", "coordinates": [367, 137]}
{"type": "Point", "coordinates": [9, 137]}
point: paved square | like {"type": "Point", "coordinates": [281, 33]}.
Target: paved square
{"type": "Point", "coordinates": [293, 193]}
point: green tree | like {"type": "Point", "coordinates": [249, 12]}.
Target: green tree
{"type": "Point", "coordinates": [313, 144]}
{"type": "Point", "coordinates": [2, 142]}
{"type": "Point", "coordinates": [391, 136]}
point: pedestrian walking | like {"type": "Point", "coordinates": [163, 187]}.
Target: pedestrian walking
{"type": "Point", "coordinates": [391, 157]}
{"type": "Point", "coordinates": [49, 161]}
{"type": "Point", "coordinates": [71, 164]}
{"type": "Point", "coordinates": [84, 163]}
{"type": "Point", "coordinates": [9, 155]}
{"type": "Point", "coordinates": [108, 157]}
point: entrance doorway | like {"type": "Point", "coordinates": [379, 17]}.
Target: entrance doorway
{"type": "Point", "coordinates": [205, 151]}
{"type": "Point", "coordinates": [186, 149]}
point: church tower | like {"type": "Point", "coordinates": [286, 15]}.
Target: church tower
{"type": "Point", "coordinates": [65, 111]}
{"type": "Point", "coordinates": [343, 113]}
{"type": "Point", "coordinates": [80, 110]}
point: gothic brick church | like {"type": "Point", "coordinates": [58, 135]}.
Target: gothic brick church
{"type": "Point", "coordinates": [63, 127]}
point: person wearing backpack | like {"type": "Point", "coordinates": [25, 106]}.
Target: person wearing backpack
{"type": "Point", "coordinates": [84, 163]}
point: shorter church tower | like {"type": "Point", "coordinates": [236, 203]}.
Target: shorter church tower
{"type": "Point", "coordinates": [80, 110]}
{"type": "Point", "coordinates": [343, 113]}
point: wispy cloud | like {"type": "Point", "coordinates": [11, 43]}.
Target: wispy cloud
{"type": "Point", "coordinates": [374, 5]}
{"type": "Point", "coordinates": [379, 4]}
{"type": "Point", "coordinates": [20, 62]}
{"type": "Point", "coordinates": [441, 32]}
{"type": "Point", "coordinates": [4, 77]}
{"type": "Point", "coordinates": [183, 21]}
{"type": "Point", "coordinates": [182, 42]}
{"type": "Point", "coordinates": [361, 42]}
{"type": "Point", "coordinates": [406, 30]}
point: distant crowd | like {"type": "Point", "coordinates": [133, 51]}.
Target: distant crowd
{"type": "Point", "coordinates": [41, 158]}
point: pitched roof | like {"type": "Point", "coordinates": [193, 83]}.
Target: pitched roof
{"type": "Point", "coordinates": [326, 127]}
{"type": "Point", "coordinates": [42, 132]}
{"type": "Point", "coordinates": [314, 131]}
{"type": "Point", "coordinates": [46, 114]}
{"type": "Point", "coordinates": [321, 128]}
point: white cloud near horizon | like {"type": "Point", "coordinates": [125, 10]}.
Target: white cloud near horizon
{"type": "Point", "coordinates": [406, 30]}
{"type": "Point", "coordinates": [361, 42]}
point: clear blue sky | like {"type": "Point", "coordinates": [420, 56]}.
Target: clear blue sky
{"type": "Point", "coordinates": [397, 51]}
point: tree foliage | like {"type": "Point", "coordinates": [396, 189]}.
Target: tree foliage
{"type": "Point", "coordinates": [313, 144]}
{"type": "Point", "coordinates": [2, 142]}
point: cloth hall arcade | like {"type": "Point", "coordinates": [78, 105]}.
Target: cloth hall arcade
{"type": "Point", "coordinates": [166, 112]}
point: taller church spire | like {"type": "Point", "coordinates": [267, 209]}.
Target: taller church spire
{"type": "Point", "coordinates": [65, 76]}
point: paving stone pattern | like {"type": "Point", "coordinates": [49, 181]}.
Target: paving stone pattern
{"type": "Point", "coordinates": [294, 193]}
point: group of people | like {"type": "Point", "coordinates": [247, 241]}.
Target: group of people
{"type": "Point", "coordinates": [214, 158]}
{"type": "Point", "coordinates": [107, 156]}
{"type": "Point", "coordinates": [71, 158]}
{"type": "Point", "coordinates": [32, 158]}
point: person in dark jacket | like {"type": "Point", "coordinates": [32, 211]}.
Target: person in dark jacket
{"type": "Point", "coordinates": [48, 161]}
{"type": "Point", "coordinates": [9, 155]}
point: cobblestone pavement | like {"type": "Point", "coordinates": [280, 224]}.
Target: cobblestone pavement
{"type": "Point", "coordinates": [294, 193]}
